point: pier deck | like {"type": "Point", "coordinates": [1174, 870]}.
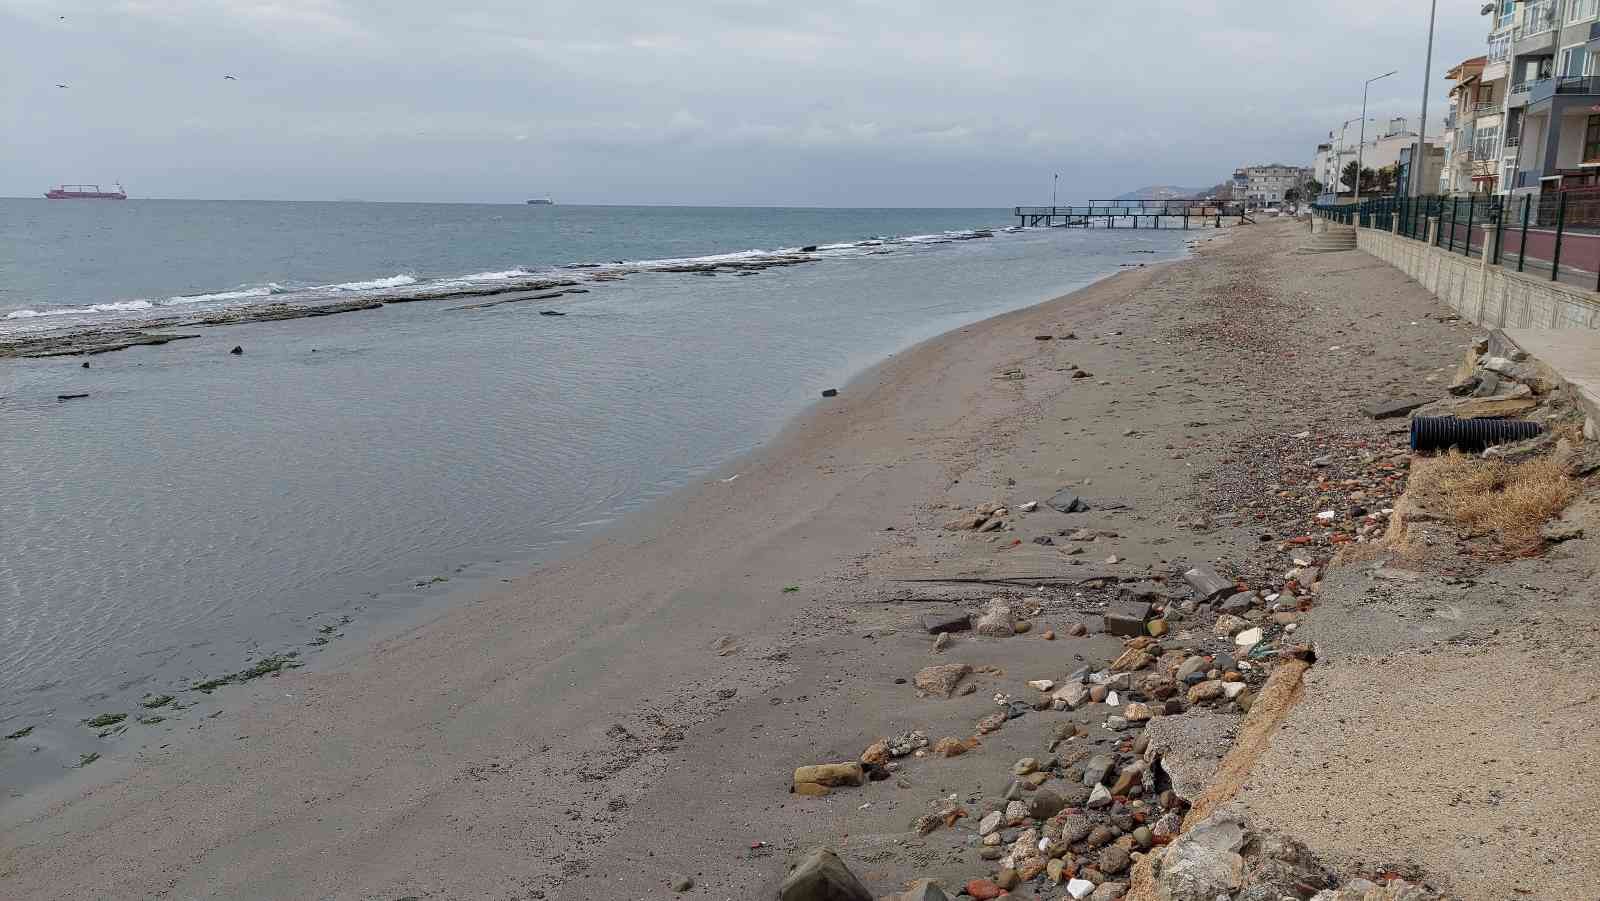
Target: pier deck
{"type": "Point", "coordinates": [1136, 214]}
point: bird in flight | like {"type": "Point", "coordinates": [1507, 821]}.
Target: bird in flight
{"type": "Point", "coordinates": [229, 78]}
{"type": "Point", "coordinates": [60, 85]}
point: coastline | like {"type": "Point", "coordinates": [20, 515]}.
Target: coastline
{"type": "Point", "coordinates": [305, 728]}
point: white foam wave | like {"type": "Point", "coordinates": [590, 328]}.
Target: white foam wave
{"type": "Point", "coordinates": [393, 281]}
{"type": "Point", "coordinates": [121, 306]}
{"type": "Point", "coordinates": [237, 294]}
{"type": "Point", "coordinates": [493, 276]}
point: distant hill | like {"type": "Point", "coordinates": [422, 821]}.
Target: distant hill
{"type": "Point", "coordinates": [1160, 192]}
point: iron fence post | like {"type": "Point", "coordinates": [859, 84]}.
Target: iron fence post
{"type": "Point", "coordinates": [1561, 224]}
{"type": "Point", "coordinates": [1499, 230]}
{"type": "Point", "coordinates": [1522, 248]}
{"type": "Point", "coordinates": [1466, 246]}
{"type": "Point", "coordinates": [1450, 245]}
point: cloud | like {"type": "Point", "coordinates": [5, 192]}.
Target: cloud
{"type": "Point", "coordinates": [844, 102]}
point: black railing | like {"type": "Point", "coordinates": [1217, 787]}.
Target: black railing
{"type": "Point", "coordinates": [1554, 236]}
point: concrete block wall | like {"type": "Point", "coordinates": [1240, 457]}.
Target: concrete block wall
{"type": "Point", "coordinates": [1491, 296]}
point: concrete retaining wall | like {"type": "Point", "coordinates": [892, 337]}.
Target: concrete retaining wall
{"type": "Point", "coordinates": [1491, 296]}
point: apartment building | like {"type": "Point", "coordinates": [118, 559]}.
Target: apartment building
{"type": "Point", "coordinates": [1546, 135]}
{"type": "Point", "coordinates": [1455, 176]}
{"type": "Point", "coordinates": [1264, 186]}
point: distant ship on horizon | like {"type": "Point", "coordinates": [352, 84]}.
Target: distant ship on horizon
{"type": "Point", "coordinates": [541, 201]}
{"type": "Point", "coordinates": [85, 192]}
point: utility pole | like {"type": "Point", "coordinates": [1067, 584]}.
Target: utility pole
{"type": "Point", "coordinates": [1361, 147]}
{"type": "Point", "coordinates": [1053, 183]}
{"type": "Point", "coordinates": [1415, 187]}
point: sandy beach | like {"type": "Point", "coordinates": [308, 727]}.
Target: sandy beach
{"type": "Point", "coordinates": [634, 713]}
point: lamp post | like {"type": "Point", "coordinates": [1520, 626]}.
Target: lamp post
{"type": "Point", "coordinates": [1415, 187]}
{"type": "Point", "coordinates": [1338, 158]}
{"type": "Point", "coordinates": [1053, 183]}
{"type": "Point", "coordinates": [1361, 147]}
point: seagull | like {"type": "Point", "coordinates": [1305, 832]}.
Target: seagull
{"type": "Point", "coordinates": [60, 85]}
{"type": "Point", "coordinates": [229, 78]}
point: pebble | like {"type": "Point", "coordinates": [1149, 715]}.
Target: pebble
{"type": "Point", "coordinates": [1249, 638]}
{"type": "Point", "coordinates": [682, 884]}
{"type": "Point", "coordinates": [1156, 627]}
{"type": "Point", "coordinates": [1079, 888]}
{"type": "Point", "coordinates": [1042, 684]}
{"type": "Point", "coordinates": [1049, 635]}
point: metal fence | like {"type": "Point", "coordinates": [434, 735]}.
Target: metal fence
{"type": "Point", "coordinates": [1554, 236]}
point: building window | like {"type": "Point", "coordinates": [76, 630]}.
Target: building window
{"type": "Point", "coordinates": [1591, 141]}
{"type": "Point", "coordinates": [1582, 10]}
{"type": "Point", "coordinates": [1574, 61]}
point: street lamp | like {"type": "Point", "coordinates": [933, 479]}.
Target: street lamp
{"type": "Point", "coordinates": [1415, 187]}
{"type": "Point", "coordinates": [1363, 145]}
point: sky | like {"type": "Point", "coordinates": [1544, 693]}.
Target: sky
{"type": "Point", "coordinates": [789, 102]}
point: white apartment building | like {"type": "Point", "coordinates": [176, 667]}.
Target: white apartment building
{"type": "Point", "coordinates": [1541, 133]}
{"type": "Point", "coordinates": [1264, 186]}
{"type": "Point", "coordinates": [1381, 148]}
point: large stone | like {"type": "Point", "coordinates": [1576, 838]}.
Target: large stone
{"type": "Point", "coordinates": [1230, 625]}
{"type": "Point", "coordinates": [936, 623]}
{"type": "Point", "coordinates": [822, 876]}
{"type": "Point", "coordinates": [1127, 618]}
{"type": "Point", "coordinates": [1190, 748]}
{"type": "Point", "coordinates": [941, 680]}
{"type": "Point", "coordinates": [1388, 408]}
{"type": "Point", "coordinates": [1113, 860]}
{"type": "Point", "coordinates": [1045, 804]}
{"type": "Point", "coordinates": [1206, 583]}
{"type": "Point", "coordinates": [1203, 862]}
{"type": "Point", "coordinates": [1072, 696]}
{"type": "Point", "coordinates": [924, 890]}
{"type": "Point", "coordinates": [1098, 769]}
{"type": "Point", "coordinates": [830, 774]}
{"type": "Point", "coordinates": [997, 621]}
{"type": "Point", "coordinates": [1238, 603]}
{"type": "Point", "coordinates": [1067, 501]}
{"type": "Point", "coordinates": [1130, 660]}
{"type": "Point", "coordinates": [1109, 891]}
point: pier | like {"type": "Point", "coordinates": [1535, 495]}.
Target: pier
{"type": "Point", "coordinates": [1136, 214]}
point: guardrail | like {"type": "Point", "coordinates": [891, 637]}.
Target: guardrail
{"type": "Point", "coordinates": [1553, 235]}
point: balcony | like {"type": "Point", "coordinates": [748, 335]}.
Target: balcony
{"type": "Point", "coordinates": [1518, 96]}
{"type": "Point", "coordinates": [1565, 86]}
{"type": "Point", "coordinates": [1538, 17]}
{"type": "Point", "coordinates": [1485, 108]}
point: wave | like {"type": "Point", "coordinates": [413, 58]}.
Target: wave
{"type": "Point", "coordinates": [120, 306]}
{"type": "Point", "coordinates": [506, 280]}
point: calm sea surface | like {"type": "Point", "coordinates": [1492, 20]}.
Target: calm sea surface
{"type": "Point", "coordinates": [200, 510]}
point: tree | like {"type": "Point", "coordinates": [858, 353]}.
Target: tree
{"type": "Point", "coordinates": [1347, 176]}
{"type": "Point", "coordinates": [1386, 178]}
{"type": "Point", "coordinates": [1291, 196]}
{"type": "Point", "coordinates": [1311, 188]}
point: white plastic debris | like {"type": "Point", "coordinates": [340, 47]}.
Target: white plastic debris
{"type": "Point", "coordinates": [1326, 516]}
{"type": "Point", "coordinates": [1249, 638]}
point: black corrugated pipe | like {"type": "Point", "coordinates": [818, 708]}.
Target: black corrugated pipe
{"type": "Point", "coordinates": [1433, 433]}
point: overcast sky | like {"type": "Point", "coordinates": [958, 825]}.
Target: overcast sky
{"type": "Point", "coordinates": [788, 102]}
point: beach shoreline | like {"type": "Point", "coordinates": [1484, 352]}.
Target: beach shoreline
{"type": "Point", "coordinates": [443, 682]}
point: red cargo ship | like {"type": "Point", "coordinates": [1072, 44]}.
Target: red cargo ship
{"type": "Point", "coordinates": [85, 192]}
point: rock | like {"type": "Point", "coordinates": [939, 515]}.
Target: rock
{"type": "Point", "coordinates": [1021, 626]}
{"type": "Point", "coordinates": [1248, 639]}
{"type": "Point", "coordinates": [992, 723]}
{"type": "Point", "coordinates": [1016, 813]}
{"type": "Point", "coordinates": [994, 524]}
{"type": "Point", "coordinates": [1232, 690]}
{"type": "Point", "coordinates": [1048, 635]}
{"type": "Point", "coordinates": [1072, 696]}
{"type": "Point", "coordinates": [1028, 507]}
{"type": "Point", "coordinates": [1127, 618]}
{"type": "Point", "coordinates": [1190, 666]}
{"type": "Point", "coordinates": [1041, 684]}
{"type": "Point", "coordinates": [1390, 408]}
{"type": "Point", "coordinates": [997, 620]}
{"type": "Point", "coordinates": [1080, 888]}
{"type": "Point", "coordinates": [830, 392]}
{"type": "Point", "coordinates": [1203, 862]}
{"type": "Point", "coordinates": [943, 642]}
{"type": "Point", "coordinates": [1143, 838]}
{"type": "Point", "coordinates": [1082, 374]}
{"type": "Point", "coordinates": [937, 623]}
{"type": "Point", "coordinates": [1066, 500]}
{"type": "Point", "coordinates": [830, 774]}
{"type": "Point", "coordinates": [1230, 625]}
{"type": "Point", "coordinates": [990, 822]}
{"type": "Point", "coordinates": [1238, 603]}
{"type": "Point", "coordinates": [1077, 630]}
{"type": "Point", "coordinates": [951, 747]}
{"type": "Point", "coordinates": [1190, 748]}
{"type": "Point", "coordinates": [941, 680]}
{"type": "Point", "coordinates": [1044, 539]}
{"type": "Point", "coordinates": [1136, 712]}
{"type": "Point", "coordinates": [1156, 628]}
{"type": "Point", "coordinates": [1055, 870]}
{"type": "Point", "coordinates": [1109, 891]}
{"type": "Point", "coordinates": [1007, 879]}
{"type": "Point", "coordinates": [1157, 686]}
{"type": "Point", "coordinates": [1131, 660]}
{"type": "Point", "coordinates": [1025, 766]}
{"type": "Point", "coordinates": [1464, 386]}
{"type": "Point", "coordinates": [1209, 690]}
{"type": "Point", "coordinates": [1097, 769]}
{"type": "Point", "coordinates": [682, 884]}
{"type": "Point", "coordinates": [876, 754]}
{"type": "Point", "coordinates": [237, 350]}
{"type": "Point", "coordinates": [812, 790]}
{"type": "Point", "coordinates": [1045, 804]}
{"type": "Point", "coordinates": [1206, 583]}
{"type": "Point", "coordinates": [1113, 860]}
{"type": "Point", "coordinates": [1099, 798]}
{"type": "Point", "coordinates": [966, 522]}
{"type": "Point", "coordinates": [981, 890]}
{"type": "Point", "coordinates": [1558, 530]}
{"type": "Point", "coordinates": [923, 890]}
{"type": "Point", "coordinates": [822, 876]}
{"type": "Point", "coordinates": [1131, 775]}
